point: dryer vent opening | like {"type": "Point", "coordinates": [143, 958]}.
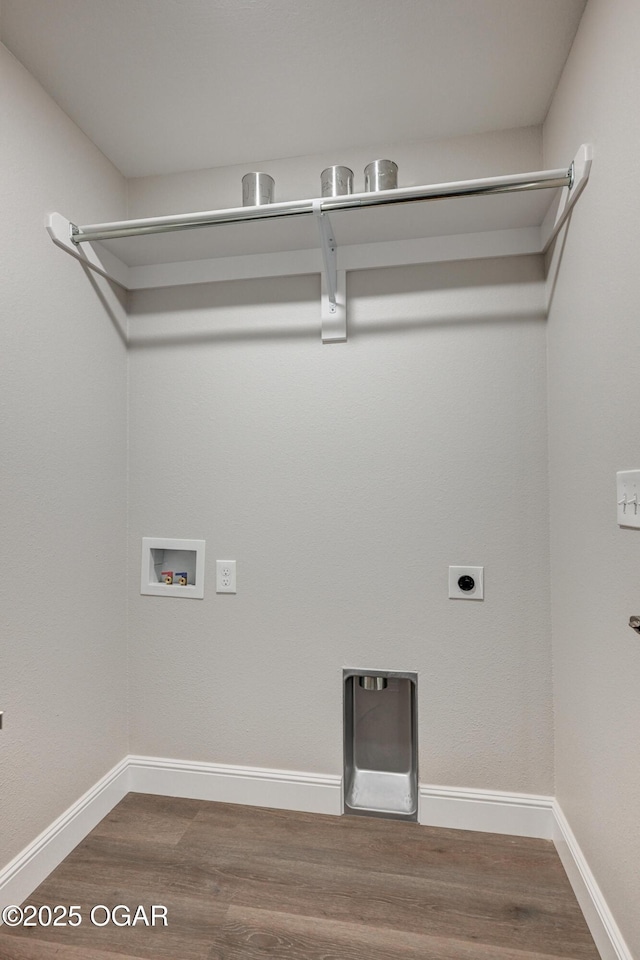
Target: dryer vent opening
{"type": "Point", "coordinates": [380, 744]}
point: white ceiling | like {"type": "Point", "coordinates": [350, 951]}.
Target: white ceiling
{"type": "Point", "coordinates": [168, 85]}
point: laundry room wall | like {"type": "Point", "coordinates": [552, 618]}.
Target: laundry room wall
{"type": "Point", "coordinates": [62, 472]}
{"type": "Point", "coordinates": [344, 479]}
{"type": "Point", "coordinates": [594, 392]}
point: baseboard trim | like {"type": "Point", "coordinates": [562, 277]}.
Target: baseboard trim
{"type": "Point", "coordinates": [489, 811]}
{"type": "Point", "coordinates": [253, 786]}
{"type": "Point", "coordinates": [25, 872]}
{"type": "Point", "coordinates": [600, 921]}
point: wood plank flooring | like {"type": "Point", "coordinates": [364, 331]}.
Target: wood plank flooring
{"type": "Point", "coordinates": [247, 883]}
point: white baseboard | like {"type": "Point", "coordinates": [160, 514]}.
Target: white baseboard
{"type": "Point", "coordinates": [25, 872]}
{"type": "Point", "coordinates": [600, 921]}
{"type": "Point", "coordinates": [254, 786]}
{"type": "Point", "coordinates": [454, 808]}
{"type": "Point", "coordinates": [489, 811]}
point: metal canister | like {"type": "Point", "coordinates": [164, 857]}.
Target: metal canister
{"type": "Point", "coordinates": [336, 181]}
{"type": "Point", "coordinates": [380, 175]}
{"type": "Point", "coordinates": [257, 189]}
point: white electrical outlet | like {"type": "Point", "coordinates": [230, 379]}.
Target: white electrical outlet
{"type": "Point", "coordinates": [466, 583]}
{"type": "Point", "coordinates": [225, 576]}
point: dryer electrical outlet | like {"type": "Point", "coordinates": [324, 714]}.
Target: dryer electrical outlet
{"type": "Point", "coordinates": [466, 583]}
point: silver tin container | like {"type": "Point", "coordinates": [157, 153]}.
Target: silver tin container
{"type": "Point", "coordinates": [380, 175]}
{"type": "Point", "coordinates": [257, 189]}
{"type": "Point", "coordinates": [336, 181]}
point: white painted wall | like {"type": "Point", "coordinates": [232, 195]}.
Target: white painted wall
{"type": "Point", "coordinates": [594, 395]}
{"type": "Point", "coordinates": [345, 479]}
{"type": "Point", "coordinates": [62, 473]}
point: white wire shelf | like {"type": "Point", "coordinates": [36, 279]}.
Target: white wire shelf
{"type": "Point", "coordinates": [492, 217]}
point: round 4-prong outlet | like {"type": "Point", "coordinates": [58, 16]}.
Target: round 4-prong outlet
{"type": "Point", "coordinates": [466, 583]}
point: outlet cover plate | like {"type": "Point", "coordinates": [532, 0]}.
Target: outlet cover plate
{"type": "Point", "coordinates": [225, 576]}
{"type": "Point", "coordinates": [455, 593]}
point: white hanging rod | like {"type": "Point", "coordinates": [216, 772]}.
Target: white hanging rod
{"type": "Point", "coordinates": [540, 180]}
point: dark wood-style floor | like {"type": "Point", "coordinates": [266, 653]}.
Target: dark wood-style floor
{"type": "Point", "coordinates": [246, 883]}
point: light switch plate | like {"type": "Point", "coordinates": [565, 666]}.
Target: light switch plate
{"type": "Point", "coordinates": [628, 498]}
{"type": "Point", "coordinates": [476, 592]}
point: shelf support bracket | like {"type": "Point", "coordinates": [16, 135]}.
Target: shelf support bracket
{"type": "Point", "coordinates": [559, 213]}
{"type": "Point", "coordinates": [103, 262]}
{"type": "Point", "coordinates": [333, 304]}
